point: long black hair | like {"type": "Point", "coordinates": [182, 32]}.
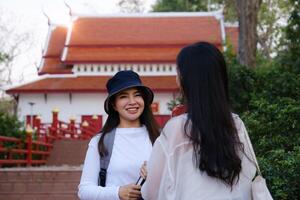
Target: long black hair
{"type": "Point", "coordinates": [113, 121]}
{"type": "Point", "coordinates": [204, 83]}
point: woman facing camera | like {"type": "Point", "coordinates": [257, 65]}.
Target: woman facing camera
{"type": "Point", "coordinates": [130, 130]}
{"type": "Point", "coordinates": [203, 153]}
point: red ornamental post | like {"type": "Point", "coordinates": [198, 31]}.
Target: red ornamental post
{"type": "Point", "coordinates": [84, 126]}
{"type": "Point", "coordinates": [29, 132]}
{"type": "Point", "coordinates": [54, 125]}
{"type": "Point", "coordinates": [38, 126]}
{"type": "Point", "coordinates": [72, 127]}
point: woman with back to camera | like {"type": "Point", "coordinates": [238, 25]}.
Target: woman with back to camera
{"type": "Point", "coordinates": [201, 154]}
{"type": "Point", "coordinates": [131, 121]}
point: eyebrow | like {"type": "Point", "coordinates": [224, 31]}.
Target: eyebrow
{"type": "Point", "coordinates": [124, 92]}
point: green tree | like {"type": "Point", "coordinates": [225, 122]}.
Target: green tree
{"type": "Point", "coordinates": [270, 28]}
{"type": "Point", "coordinates": [290, 54]}
{"type": "Point", "coordinates": [181, 5]}
{"type": "Point", "coordinates": [3, 57]}
{"type": "Point", "coordinates": [13, 44]}
{"type": "Point", "coordinates": [131, 6]}
{"type": "Point", "coordinates": [191, 5]}
{"type": "Point", "coordinates": [10, 126]}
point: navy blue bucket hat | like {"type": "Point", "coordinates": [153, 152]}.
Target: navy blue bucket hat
{"type": "Point", "coordinates": [124, 80]}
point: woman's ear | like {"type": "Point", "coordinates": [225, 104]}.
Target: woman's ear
{"type": "Point", "coordinates": [178, 81]}
{"type": "Point", "coordinates": [178, 78]}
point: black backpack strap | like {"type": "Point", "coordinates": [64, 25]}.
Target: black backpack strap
{"type": "Point", "coordinates": [108, 141]}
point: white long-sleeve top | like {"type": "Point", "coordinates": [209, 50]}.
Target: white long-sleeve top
{"type": "Point", "coordinates": [132, 147]}
{"type": "Point", "coordinates": [172, 174]}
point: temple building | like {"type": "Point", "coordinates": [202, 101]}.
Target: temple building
{"type": "Point", "coordinates": [79, 59]}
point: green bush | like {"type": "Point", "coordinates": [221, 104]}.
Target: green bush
{"type": "Point", "coordinates": [11, 127]}
{"type": "Point", "coordinates": [267, 98]}
{"type": "Point", "coordinates": [281, 169]}
{"type": "Point", "coordinates": [274, 125]}
{"type": "Point", "coordinates": [241, 86]}
{"type": "Point", "coordinates": [277, 81]}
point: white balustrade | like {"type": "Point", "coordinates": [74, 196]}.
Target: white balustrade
{"type": "Point", "coordinates": [164, 69]}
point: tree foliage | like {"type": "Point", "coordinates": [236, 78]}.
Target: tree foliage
{"type": "Point", "coordinates": [131, 6]}
{"type": "Point", "coordinates": [271, 18]}
{"type": "Point", "coordinates": [290, 53]}
{"type": "Point", "coordinates": [13, 44]}
{"type": "Point", "coordinates": [270, 108]}
{"type": "Point", "coordinates": [197, 5]}
{"type": "Point", "coordinates": [3, 57]}
{"type": "Point", "coordinates": [10, 126]}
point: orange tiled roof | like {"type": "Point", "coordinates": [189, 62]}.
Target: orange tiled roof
{"type": "Point", "coordinates": [129, 40]}
{"type": "Point", "coordinates": [139, 39]}
{"type": "Point", "coordinates": [51, 63]}
{"type": "Point", "coordinates": [54, 66]}
{"type": "Point", "coordinates": [145, 30]}
{"type": "Point", "coordinates": [123, 54]}
{"type": "Point", "coordinates": [90, 84]}
{"type": "Point", "coordinates": [56, 42]}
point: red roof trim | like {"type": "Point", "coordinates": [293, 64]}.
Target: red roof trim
{"type": "Point", "coordinates": [128, 45]}
{"type": "Point", "coordinates": [51, 56]}
{"type": "Point", "coordinates": [56, 72]}
{"type": "Point", "coordinates": [89, 84]}
{"type": "Point", "coordinates": [116, 62]}
{"type": "Point", "coordinates": [12, 91]}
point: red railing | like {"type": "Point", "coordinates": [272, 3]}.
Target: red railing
{"type": "Point", "coordinates": [15, 151]}
{"type": "Point", "coordinates": [29, 151]}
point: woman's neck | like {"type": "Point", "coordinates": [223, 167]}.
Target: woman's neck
{"type": "Point", "coordinates": [129, 124]}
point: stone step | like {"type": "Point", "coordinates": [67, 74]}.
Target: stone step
{"type": "Point", "coordinates": [67, 152]}
{"type": "Point", "coordinates": [37, 187]}
{"type": "Point", "coordinates": [65, 173]}
{"type": "Point", "coordinates": [42, 196]}
{"type": "Point", "coordinates": [40, 183]}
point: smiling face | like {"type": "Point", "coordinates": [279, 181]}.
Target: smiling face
{"type": "Point", "coordinates": [130, 105]}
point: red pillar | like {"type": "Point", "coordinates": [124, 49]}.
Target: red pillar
{"type": "Point", "coordinates": [37, 125]}
{"type": "Point", "coordinates": [72, 127]}
{"type": "Point", "coordinates": [29, 132]}
{"type": "Point", "coordinates": [55, 121]}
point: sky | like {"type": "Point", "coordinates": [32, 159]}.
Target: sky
{"type": "Point", "coordinates": [28, 17]}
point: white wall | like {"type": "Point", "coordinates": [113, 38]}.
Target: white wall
{"type": "Point", "coordinates": [163, 99]}
{"type": "Point", "coordinates": [80, 104]}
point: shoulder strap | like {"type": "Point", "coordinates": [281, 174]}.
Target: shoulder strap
{"type": "Point", "coordinates": [252, 152]}
{"type": "Point", "coordinates": [108, 141]}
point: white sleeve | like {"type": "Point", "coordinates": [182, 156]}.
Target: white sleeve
{"type": "Point", "coordinates": [88, 188]}
{"type": "Point", "coordinates": [155, 168]}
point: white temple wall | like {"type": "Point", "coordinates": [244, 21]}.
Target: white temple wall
{"type": "Point", "coordinates": [163, 99]}
{"type": "Point", "coordinates": [75, 105]}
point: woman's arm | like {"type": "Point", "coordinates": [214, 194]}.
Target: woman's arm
{"type": "Point", "coordinates": [88, 188]}
{"type": "Point", "coordinates": [155, 168]}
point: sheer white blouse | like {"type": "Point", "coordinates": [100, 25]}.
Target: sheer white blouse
{"type": "Point", "coordinates": [172, 174]}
